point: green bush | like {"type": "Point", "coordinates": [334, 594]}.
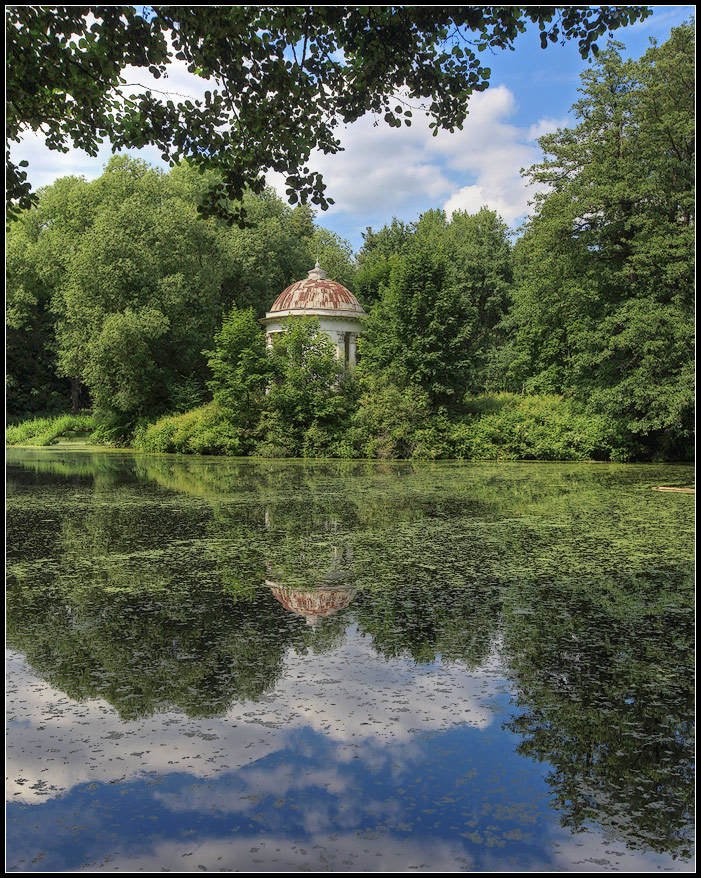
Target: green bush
{"type": "Point", "coordinates": [388, 422]}
{"type": "Point", "coordinates": [512, 427]}
{"type": "Point", "coordinates": [204, 430]}
{"type": "Point", "coordinates": [113, 429]}
{"type": "Point", "coordinates": [490, 403]}
{"type": "Point", "coordinates": [275, 437]}
{"type": "Point", "coordinates": [318, 441]}
{"type": "Point", "coordinates": [387, 419]}
{"type": "Point", "coordinates": [432, 441]}
{"type": "Point", "coordinates": [47, 431]}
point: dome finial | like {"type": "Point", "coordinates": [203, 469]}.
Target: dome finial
{"type": "Point", "coordinates": [317, 273]}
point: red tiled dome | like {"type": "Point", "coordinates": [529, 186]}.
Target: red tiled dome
{"type": "Point", "coordinates": [316, 293]}
{"type": "Point", "coordinates": [313, 602]}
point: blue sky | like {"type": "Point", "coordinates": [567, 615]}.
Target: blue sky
{"type": "Point", "coordinates": [385, 172]}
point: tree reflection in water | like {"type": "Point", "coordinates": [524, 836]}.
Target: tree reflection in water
{"type": "Point", "coordinates": [159, 583]}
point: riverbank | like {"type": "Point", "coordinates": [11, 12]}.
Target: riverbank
{"type": "Point", "coordinates": [491, 427]}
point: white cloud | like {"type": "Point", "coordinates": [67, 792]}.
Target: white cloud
{"type": "Point", "coordinates": [508, 203]}
{"type": "Point", "coordinates": [46, 165]}
{"type": "Point", "coordinates": [546, 126]}
{"type": "Point", "coordinates": [592, 851]}
{"type": "Point", "coordinates": [383, 169]}
{"type": "Point", "coordinates": [321, 852]}
{"type": "Point", "coordinates": [493, 151]}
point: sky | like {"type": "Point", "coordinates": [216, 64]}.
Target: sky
{"type": "Point", "coordinates": [386, 172]}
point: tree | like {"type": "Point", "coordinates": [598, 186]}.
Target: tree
{"type": "Point", "coordinates": [278, 248]}
{"type": "Point", "coordinates": [92, 259]}
{"type": "Point", "coordinates": [87, 264]}
{"type": "Point", "coordinates": [240, 368]}
{"type": "Point", "coordinates": [445, 292]}
{"type": "Point", "coordinates": [306, 391]}
{"type": "Point", "coordinates": [335, 254]}
{"type": "Point", "coordinates": [261, 260]}
{"type": "Point", "coordinates": [374, 259]}
{"type": "Point", "coordinates": [603, 306]}
{"type": "Point", "coordinates": [279, 88]}
{"type": "Point", "coordinates": [141, 291]}
{"type": "Point", "coordinates": [122, 367]}
{"type": "Point", "coordinates": [417, 333]}
{"type": "Point", "coordinates": [481, 259]}
{"type": "Point", "coordinates": [40, 247]}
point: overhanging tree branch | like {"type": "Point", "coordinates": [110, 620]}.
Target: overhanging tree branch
{"type": "Point", "coordinates": [261, 97]}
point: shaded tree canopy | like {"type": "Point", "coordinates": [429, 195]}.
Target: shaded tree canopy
{"type": "Point", "coordinates": [283, 79]}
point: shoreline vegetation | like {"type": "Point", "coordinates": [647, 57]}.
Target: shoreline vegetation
{"type": "Point", "coordinates": [495, 427]}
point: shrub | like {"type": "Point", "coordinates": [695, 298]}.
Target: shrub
{"type": "Point", "coordinates": [46, 431]}
{"type": "Point", "coordinates": [432, 442]}
{"type": "Point", "coordinates": [276, 439]}
{"type": "Point", "coordinates": [387, 419]}
{"type": "Point", "coordinates": [204, 430]}
{"type": "Point", "coordinates": [113, 429]}
{"type": "Point", "coordinates": [512, 427]}
{"type": "Point", "coordinates": [317, 441]}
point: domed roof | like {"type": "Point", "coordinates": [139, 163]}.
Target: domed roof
{"type": "Point", "coordinates": [313, 603]}
{"type": "Point", "coordinates": [316, 295]}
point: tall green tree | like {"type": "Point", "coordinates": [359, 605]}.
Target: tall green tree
{"type": "Point", "coordinates": [481, 259]}
{"type": "Point", "coordinates": [141, 295]}
{"type": "Point", "coordinates": [417, 333]}
{"type": "Point", "coordinates": [241, 369]}
{"type": "Point", "coordinates": [375, 259]}
{"type": "Point", "coordinates": [603, 307]}
{"type": "Point", "coordinates": [446, 289]}
{"type": "Point", "coordinates": [335, 256]}
{"type": "Point", "coordinates": [40, 246]}
{"type": "Point", "coordinates": [306, 391]}
{"type": "Point", "coordinates": [278, 247]}
{"type": "Point", "coordinates": [272, 252]}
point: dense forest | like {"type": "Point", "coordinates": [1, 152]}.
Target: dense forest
{"type": "Point", "coordinates": [574, 342]}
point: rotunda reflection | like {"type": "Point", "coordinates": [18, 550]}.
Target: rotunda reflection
{"type": "Point", "coordinates": [324, 595]}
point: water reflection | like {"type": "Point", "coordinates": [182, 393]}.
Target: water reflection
{"type": "Point", "coordinates": [162, 601]}
{"type": "Point", "coordinates": [313, 604]}
{"type": "Point", "coordinates": [327, 576]}
{"type": "Point", "coordinates": [607, 705]}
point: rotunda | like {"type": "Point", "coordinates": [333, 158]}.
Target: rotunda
{"type": "Point", "coordinates": [340, 313]}
{"type": "Point", "coordinates": [313, 604]}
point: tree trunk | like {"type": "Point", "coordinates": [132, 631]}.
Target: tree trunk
{"type": "Point", "coordinates": [76, 395]}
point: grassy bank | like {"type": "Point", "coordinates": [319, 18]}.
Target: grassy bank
{"type": "Point", "coordinates": [489, 427]}
{"type": "Point", "coordinates": [48, 430]}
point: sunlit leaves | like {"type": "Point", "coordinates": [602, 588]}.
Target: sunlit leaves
{"type": "Point", "coordinates": [281, 90]}
{"type": "Point", "coordinates": [604, 303]}
{"type": "Point", "coordinates": [442, 291]}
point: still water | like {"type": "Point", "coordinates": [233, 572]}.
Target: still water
{"type": "Point", "coordinates": [227, 665]}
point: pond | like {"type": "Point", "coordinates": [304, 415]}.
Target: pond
{"type": "Point", "coordinates": [237, 665]}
